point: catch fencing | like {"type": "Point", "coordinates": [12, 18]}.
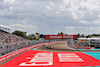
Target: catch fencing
{"type": "Point", "coordinates": [83, 44]}
{"type": "Point", "coordinates": [7, 48]}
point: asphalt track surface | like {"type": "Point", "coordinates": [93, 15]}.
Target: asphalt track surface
{"type": "Point", "coordinates": [35, 58]}
{"type": "Point", "coordinates": [61, 47]}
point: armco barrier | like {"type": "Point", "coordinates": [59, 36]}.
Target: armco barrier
{"type": "Point", "coordinates": [75, 47]}
{"type": "Point", "coordinates": [5, 57]}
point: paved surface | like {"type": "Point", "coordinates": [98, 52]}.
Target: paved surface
{"type": "Point", "coordinates": [55, 58]}
{"type": "Point", "coordinates": [52, 59]}
{"type": "Point", "coordinates": [61, 47]}
{"type": "Point", "coordinates": [11, 58]}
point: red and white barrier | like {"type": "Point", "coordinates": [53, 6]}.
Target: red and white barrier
{"type": "Point", "coordinates": [5, 57]}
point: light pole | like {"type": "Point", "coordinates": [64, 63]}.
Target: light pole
{"type": "Point", "coordinates": [88, 31]}
{"type": "Point", "coordinates": [89, 37]}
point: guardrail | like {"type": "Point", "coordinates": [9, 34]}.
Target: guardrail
{"type": "Point", "coordinates": [7, 56]}
{"type": "Point", "coordinates": [7, 48]}
{"type": "Point", "coordinates": [83, 45]}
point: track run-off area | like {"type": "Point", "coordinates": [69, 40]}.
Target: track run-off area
{"type": "Point", "coordinates": [33, 58]}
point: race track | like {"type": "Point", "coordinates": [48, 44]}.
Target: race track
{"type": "Point", "coordinates": [62, 47]}
{"type": "Point", "coordinates": [54, 58]}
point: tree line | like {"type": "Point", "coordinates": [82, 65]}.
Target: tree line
{"type": "Point", "coordinates": [87, 36]}
{"type": "Point", "coordinates": [37, 35]}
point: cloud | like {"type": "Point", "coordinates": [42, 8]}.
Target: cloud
{"type": "Point", "coordinates": [82, 30]}
{"type": "Point", "coordinates": [84, 21]}
{"type": "Point", "coordinates": [50, 16]}
{"type": "Point", "coordinates": [30, 29]}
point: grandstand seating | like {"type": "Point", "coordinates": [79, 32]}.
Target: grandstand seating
{"type": "Point", "coordinates": [10, 42]}
{"type": "Point", "coordinates": [9, 38]}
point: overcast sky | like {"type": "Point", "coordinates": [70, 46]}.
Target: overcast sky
{"type": "Point", "coordinates": [51, 16]}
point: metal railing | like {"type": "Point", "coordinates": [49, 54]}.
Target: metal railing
{"type": "Point", "coordinates": [83, 44]}
{"type": "Point", "coordinates": [7, 48]}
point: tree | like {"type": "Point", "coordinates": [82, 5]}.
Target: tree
{"type": "Point", "coordinates": [37, 37]}
{"type": "Point", "coordinates": [37, 34]}
{"type": "Point", "coordinates": [82, 35]}
{"type": "Point", "coordinates": [42, 36]}
{"type": "Point", "coordinates": [32, 36]}
{"type": "Point", "coordinates": [61, 33]}
{"type": "Point", "coordinates": [78, 34]}
{"type": "Point", "coordinates": [20, 33]}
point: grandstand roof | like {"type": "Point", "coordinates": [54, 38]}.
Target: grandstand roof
{"type": "Point", "coordinates": [5, 26]}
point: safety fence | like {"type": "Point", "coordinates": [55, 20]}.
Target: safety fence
{"type": "Point", "coordinates": [7, 48]}
{"type": "Point", "coordinates": [7, 56]}
{"type": "Point", "coordinates": [83, 44]}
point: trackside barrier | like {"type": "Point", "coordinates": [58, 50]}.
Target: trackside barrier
{"type": "Point", "coordinates": [74, 46]}
{"type": "Point", "coordinates": [5, 57]}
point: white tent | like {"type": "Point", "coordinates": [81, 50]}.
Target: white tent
{"type": "Point", "coordinates": [89, 38]}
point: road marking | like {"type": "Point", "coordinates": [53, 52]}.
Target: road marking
{"type": "Point", "coordinates": [40, 59]}
{"type": "Point", "coordinates": [69, 57]}
{"type": "Point", "coordinates": [28, 57]}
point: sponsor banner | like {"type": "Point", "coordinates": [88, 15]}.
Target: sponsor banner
{"type": "Point", "coordinates": [61, 36]}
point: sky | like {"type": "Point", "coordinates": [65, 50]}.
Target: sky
{"type": "Point", "coordinates": [51, 16]}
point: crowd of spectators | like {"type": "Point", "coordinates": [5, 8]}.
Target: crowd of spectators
{"type": "Point", "coordinates": [10, 42]}
{"type": "Point", "coordinates": [9, 38]}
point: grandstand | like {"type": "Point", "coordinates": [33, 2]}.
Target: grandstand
{"type": "Point", "coordinates": [9, 42]}
{"type": "Point", "coordinates": [5, 28]}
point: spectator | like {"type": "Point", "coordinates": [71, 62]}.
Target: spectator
{"type": "Point", "coordinates": [10, 38]}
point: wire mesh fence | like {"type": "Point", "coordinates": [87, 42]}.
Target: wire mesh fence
{"type": "Point", "coordinates": [83, 44]}
{"type": "Point", "coordinates": [7, 48]}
